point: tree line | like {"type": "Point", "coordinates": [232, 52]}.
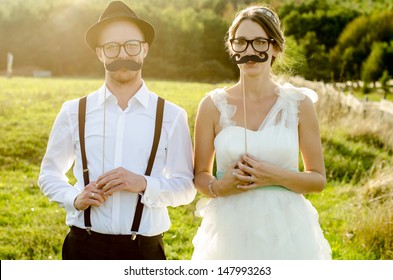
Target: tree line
{"type": "Point", "coordinates": [328, 40]}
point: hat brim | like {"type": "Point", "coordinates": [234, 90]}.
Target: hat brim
{"type": "Point", "coordinates": [91, 36]}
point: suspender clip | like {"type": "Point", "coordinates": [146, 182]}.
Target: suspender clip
{"type": "Point", "coordinates": [88, 229]}
{"type": "Point", "coordinates": [133, 236]}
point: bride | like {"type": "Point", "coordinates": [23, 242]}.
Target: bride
{"type": "Point", "coordinates": [255, 207]}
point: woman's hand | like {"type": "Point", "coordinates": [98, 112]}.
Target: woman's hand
{"type": "Point", "coordinates": [230, 184]}
{"type": "Point", "coordinates": [256, 173]}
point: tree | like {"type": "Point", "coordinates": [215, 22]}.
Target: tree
{"type": "Point", "coordinates": [317, 59]}
{"type": "Point", "coordinates": [355, 43]}
{"type": "Point", "coordinates": [325, 20]}
{"type": "Point", "coordinates": [189, 36]}
{"type": "Point", "coordinates": [373, 67]}
{"type": "Point", "coordinates": [384, 80]}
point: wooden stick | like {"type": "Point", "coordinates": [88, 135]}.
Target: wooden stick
{"type": "Point", "coordinates": [244, 110]}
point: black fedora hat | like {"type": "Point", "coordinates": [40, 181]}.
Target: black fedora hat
{"type": "Point", "coordinates": [118, 10]}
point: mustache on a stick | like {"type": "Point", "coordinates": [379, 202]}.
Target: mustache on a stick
{"type": "Point", "coordinates": [123, 63]}
{"type": "Point", "coordinates": [237, 59]}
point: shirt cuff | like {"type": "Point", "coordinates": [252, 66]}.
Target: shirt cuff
{"type": "Point", "coordinates": [152, 192]}
{"type": "Point", "coordinates": [69, 203]}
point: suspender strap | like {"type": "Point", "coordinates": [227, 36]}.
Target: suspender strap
{"type": "Point", "coordinates": [81, 122]}
{"type": "Point", "coordinates": [157, 135]}
{"type": "Point", "coordinates": [156, 140]}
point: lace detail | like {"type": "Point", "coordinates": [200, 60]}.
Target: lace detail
{"type": "Point", "coordinates": [219, 97]}
{"type": "Point", "coordinates": [288, 112]}
{"type": "Point", "coordinates": [298, 93]}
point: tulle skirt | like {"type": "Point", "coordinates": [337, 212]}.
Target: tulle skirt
{"type": "Point", "coordinates": [266, 223]}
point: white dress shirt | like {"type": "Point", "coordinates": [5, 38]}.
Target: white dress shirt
{"type": "Point", "coordinates": [128, 140]}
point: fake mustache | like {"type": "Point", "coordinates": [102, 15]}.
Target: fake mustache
{"type": "Point", "coordinates": [237, 59]}
{"type": "Point", "coordinates": [123, 63]}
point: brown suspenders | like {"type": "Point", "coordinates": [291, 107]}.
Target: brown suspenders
{"type": "Point", "coordinates": [157, 134]}
{"type": "Point", "coordinates": [81, 122]}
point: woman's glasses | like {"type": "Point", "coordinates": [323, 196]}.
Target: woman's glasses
{"type": "Point", "coordinates": [259, 44]}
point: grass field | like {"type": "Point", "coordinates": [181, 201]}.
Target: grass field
{"type": "Point", "coordinates": [355, 208]}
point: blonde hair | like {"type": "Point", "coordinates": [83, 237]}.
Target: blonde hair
{"type": "Point", "coordinates": [266, 17]}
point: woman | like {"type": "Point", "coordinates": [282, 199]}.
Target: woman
{"type": "Point", "coordinates": [256, 208]}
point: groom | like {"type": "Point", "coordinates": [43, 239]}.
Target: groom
{"type": "Point", "coordinates": [132, 151]}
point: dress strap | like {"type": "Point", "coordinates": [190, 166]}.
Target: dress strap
{"type": "Point", "coordinates": [219, 97]}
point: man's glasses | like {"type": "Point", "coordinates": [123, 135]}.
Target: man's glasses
{"type": "Point", "coordinates": [259, 44]}
{"type": "Point", "coordinates": [132, 48]}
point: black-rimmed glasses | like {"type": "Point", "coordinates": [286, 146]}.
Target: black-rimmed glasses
{"type": "Point", "coordinates": [258, 44]}
{"type": "Point", "coordinates": [132, 48]}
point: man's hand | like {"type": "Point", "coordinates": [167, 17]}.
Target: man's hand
{"type": "Point", "coordinates": [90, 196]}
{"type": "Point", "coordinates": [121, 179]}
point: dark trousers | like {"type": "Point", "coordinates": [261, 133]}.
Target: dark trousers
{"type": "Point", "coordinates": [79, 245]}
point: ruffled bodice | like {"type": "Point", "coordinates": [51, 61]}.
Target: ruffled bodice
{"type": "Point", "coordinates": [276, 140]}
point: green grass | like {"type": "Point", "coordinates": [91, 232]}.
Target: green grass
{"type": "Point", "coordinates": [348, 157]}
{"type": "Point", "coordinates": [31, 227]}
{"type": "Point", "coordinates": [372, 95]}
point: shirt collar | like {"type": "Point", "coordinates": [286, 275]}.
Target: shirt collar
{"type": "Point", "coordinates": [142, 95]}
{"type": "Point", "coordinates": [103, 94]}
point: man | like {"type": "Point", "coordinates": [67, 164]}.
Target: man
{"type": "Point", "coordinates": [120, 123]}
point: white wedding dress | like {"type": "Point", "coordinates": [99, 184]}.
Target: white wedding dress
{"type": "Point", "coordinates": [269, 222]}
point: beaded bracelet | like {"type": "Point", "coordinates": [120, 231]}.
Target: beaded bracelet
{"type": "Point", "coordinates": [210, 186]}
